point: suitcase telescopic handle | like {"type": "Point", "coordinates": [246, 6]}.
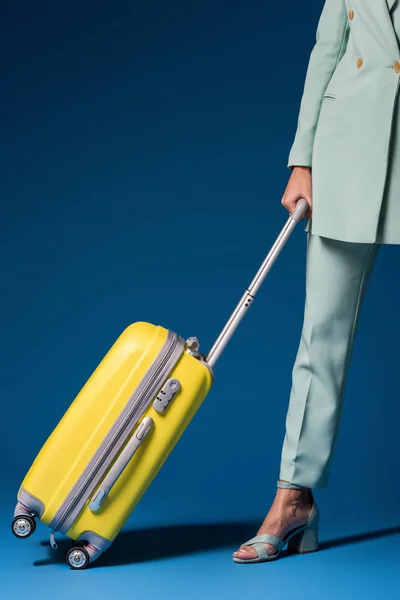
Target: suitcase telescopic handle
{"type": "Point", "coordinates": [250, 294]}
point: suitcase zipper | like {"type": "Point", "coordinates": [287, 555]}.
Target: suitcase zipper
{"type": "Point", "coordinates": [117, 436]}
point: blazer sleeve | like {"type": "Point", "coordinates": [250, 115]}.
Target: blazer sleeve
{"type": "Point", "coordinates": [331, 40]}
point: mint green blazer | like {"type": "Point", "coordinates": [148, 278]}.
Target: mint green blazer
{"type": "Point", "coordinates": [345, 119]}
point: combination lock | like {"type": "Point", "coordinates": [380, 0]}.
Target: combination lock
{"type": "Point", "coordinates": [165, 395]}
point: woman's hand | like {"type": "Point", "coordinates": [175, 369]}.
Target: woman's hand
{"type": "Point", "coordinates": [299, 186]}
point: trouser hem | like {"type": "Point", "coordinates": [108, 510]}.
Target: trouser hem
{"type": "Point", "coordinates": [305, 478]}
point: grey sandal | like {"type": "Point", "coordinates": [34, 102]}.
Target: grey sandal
{"type": "Point", "coordinates": [300, 540]}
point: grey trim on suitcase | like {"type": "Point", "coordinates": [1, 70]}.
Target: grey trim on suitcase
{"type": "Point", "coordinates": [30, 502]}
{"type": "Point", "coordinates": [118, 434]}
{"type": "Point", "coordinates": [94, 545]}
{"type": "Point", "coordinates": [95, 540]}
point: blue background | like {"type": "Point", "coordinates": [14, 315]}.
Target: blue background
{"type": "Point", "coordinates": [143, 155]}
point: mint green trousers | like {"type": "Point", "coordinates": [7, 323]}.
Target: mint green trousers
{"type": "Point", "coordinates": [337, 275]}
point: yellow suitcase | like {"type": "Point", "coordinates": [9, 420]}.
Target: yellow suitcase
{"type": "Point", "coordinates": [108, 447]}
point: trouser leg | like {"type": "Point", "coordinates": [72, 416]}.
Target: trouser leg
{"type": "Point", "coordinates": [337, 275]}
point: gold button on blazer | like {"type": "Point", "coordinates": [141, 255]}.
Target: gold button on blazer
{"type": "Point", "coordinates": [346, 118]}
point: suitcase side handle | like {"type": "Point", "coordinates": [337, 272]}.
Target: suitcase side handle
{"type": "Point", "coordinates": [250, 293]}
{"type": "Point", "coordinates": [120, 464]}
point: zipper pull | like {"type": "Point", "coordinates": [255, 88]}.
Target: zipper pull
{"type": "Point", "coordinates": [53, 543]}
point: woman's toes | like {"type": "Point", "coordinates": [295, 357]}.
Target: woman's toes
{"type": "Point", "coordinates": [245, 552]}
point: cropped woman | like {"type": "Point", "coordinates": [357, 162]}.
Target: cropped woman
{"type": "Point", "coordinates": [345, 161]}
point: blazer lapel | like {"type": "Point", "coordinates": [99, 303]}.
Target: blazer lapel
{"type": "Point", "coordinates": [382, 10]}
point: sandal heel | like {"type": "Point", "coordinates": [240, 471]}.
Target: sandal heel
{"type": "Point", "coordinates": [303, 542]}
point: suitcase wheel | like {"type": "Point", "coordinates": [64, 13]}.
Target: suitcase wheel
{"type": "Point", "coordinates": [78, 558]}
{"type": "Point", "coordinates": [23, 526]}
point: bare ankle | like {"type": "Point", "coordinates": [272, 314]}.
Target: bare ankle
{"type": "Point", "coordinates": [294, 499]}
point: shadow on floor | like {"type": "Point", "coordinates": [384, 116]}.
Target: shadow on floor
{"type": "Point", "coordinates": [162, 542]}
{"type": "Point", "coordinates": [177, 540]}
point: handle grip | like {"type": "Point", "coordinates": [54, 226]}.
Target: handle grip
{"type": "Point", "coordinates": [300, 210]}
{"type": "Point", "coordinates": [120, 464]}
